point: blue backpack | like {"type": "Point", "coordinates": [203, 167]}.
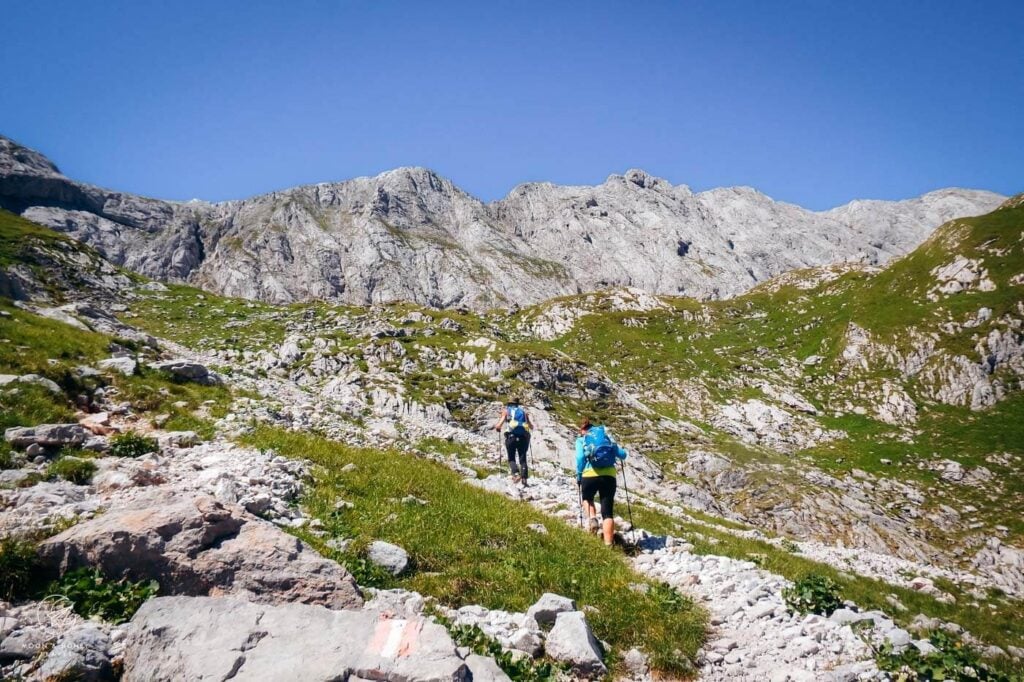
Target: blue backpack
{"type": "Point", "coordinates": [516, 420]}
{"type": "Point", "coordinates": [598, 448]}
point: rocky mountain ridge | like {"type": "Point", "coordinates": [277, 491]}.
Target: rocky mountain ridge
{"type": "Point", "coordinates": [411, 235]}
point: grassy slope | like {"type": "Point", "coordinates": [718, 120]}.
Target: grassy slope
{"type": "Point", "coordinates": [471, 546]}
{"type": "Point", "coordinates": [30, 344]}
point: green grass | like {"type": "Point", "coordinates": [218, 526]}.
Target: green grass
{"type": "Point", "coordinates": [199, 319]}
{"type": "Point", "coordinates": [31, 344]}
{"type": "Point", "coordinates": [470, 546]}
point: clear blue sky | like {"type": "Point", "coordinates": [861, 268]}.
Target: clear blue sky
{"type": "Point", "coordinates": [811, 102]}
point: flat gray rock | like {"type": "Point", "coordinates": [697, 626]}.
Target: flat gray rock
{"type": "Point", "coordinates": [125, 366]}
{"type": "Point", "coordinates": [485, 669]}
{"type": "Point", "coordinates": [199, 546]}
{"type": "Point", "coordinates": [46, 435]}
{"type": "Point", "coordinates": [186, 370]}
{"type": "Point", "coordinates": [23, 644]}
{"type": "Point", "coordinates": [192, 638]}
{"type": "Point", "coordinates": [82, 654]}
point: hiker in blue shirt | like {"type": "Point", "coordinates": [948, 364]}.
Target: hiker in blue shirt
{"type": "Point", "coordinates": [517, 438]}
{"type": "Point", "coordinates": [596, 455]}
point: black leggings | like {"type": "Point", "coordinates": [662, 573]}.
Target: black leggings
{"type": "Point", "coordinates": [603, 486]}
{"type": "Point", "coordinates": [517, 445]}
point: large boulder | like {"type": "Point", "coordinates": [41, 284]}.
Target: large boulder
{"type": "Point", "coordinates": [199, 546]}
{"type": "Point", "coordinates": [186, 638]}
{"type": "Point", "coordinates": [572, 642]}
{"type": "Point", "coordinates": [46, 435]}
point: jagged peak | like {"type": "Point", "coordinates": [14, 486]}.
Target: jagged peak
{"type": "Point", "coordinates": [17, 159]}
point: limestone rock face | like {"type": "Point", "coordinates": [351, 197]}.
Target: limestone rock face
{"type": "Point", "coordinates": [198, 546]}
{"type": "Point", "coordinates": [409, 234]}
{"type": "Point", "coordinates": [191, 638]}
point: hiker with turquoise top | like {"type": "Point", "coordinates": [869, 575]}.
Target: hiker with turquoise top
{"type": "Point", "coordinates": [596, 457]}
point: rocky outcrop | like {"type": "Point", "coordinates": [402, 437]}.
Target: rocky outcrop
{"type": "Point", "coordinates": [46, 435]}
{"type": "Point", "coordinates": [199, 546]}
{"type": "Point", "coordinates": [183, 638]}
{"type": "Point", "coordinates": [409, 234]}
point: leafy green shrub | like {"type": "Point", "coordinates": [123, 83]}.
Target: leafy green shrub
{"type": "Point", "coordinates": [6, 461]}
{"type": "Point", "coordinates": [790, 546]}
{"type": "Point", "coordinates": [813, 593]}
{"type": "Point", "coordinates": [74, 469]}
{"type": "Point", "coordinates": [92, 594]}
{"type": "Point", "coordinates": [950, 661]}
{"type": "Point", "coordinates": [19, 564]}
{"type": "Point", "coordinates": [132, 445]}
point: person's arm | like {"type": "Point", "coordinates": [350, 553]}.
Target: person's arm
{"type": "Point", "coordinates": [501, 422]}
{"type": "Point", "coordinates": [529, 422]}
{"type": "Point", "coordinates": [579, 458]}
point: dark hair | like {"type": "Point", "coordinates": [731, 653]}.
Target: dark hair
{"type": "Point", "coordinates": [585, 424]}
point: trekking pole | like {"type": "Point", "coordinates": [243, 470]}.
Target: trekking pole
{"type": "Point", "coordinates": [579, 489]}
{"type": "Point", "coordinates": [632, 527]}
{"type": "Point", "coordinates": [499, 449]}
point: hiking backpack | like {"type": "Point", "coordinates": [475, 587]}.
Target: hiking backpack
{"type": "Point", "coordinates": [516, 420]}
{"type": "Point", "coordinates": [598, 448]}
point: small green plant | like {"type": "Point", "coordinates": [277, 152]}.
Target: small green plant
{"type": "Point", "coordinates": [19, 564]}
{"type": "Point", "coordinates": [813, 593]}
{"type": "Point", "coordinates": [668, 598]}
{"type": "Point", "coordinates": [92, 594]}
{"type": "Point", "coordinates": [790, 546]}
{"type": "Point", "coordinates": [73, 469]}
{"type": "Point", "coordinates": [517, 668]}
{"type": "Point", "coordinates": [951, 660]}
{"type": "Point", "coordinates": [132, 444]}
{"type": "Point", "coordinates": [366, 573]}
{"type": "Point", "coordinates": [29, 480]}
{"type": "Point", "coordinates": [6, 461]}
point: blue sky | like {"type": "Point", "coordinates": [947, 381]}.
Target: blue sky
{"type": "Point", "coordinates": [816, 103]}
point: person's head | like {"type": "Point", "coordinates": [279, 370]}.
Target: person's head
{"type": "Point", "coordinates": [512, 401]}
{"type": "Point", "coordinates": [585, 425]}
